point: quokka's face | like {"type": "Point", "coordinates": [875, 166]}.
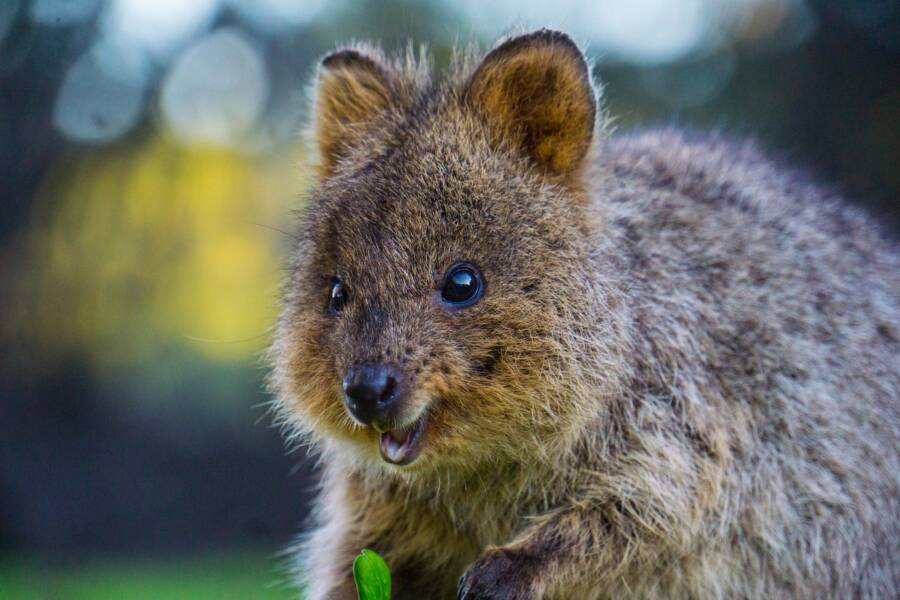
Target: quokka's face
{"type": "Point", "coordinates": [427, 308]}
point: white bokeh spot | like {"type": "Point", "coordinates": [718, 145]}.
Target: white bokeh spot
{"type": "Point", "coordinates": [216, 90]}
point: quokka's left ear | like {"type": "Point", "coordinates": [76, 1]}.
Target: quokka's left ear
{"type": "Point", "coordinates": [354, 87]}
{"type": "Point", "coordinates": [535, 91]}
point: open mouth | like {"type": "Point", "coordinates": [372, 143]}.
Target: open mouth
{"type": "Point", "coordinates": [402, 446]}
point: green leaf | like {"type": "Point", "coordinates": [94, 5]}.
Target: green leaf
{"type": "Point", "coordinates": [372, 576]}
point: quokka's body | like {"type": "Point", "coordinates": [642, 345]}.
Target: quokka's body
{"type": "Point", "coordinates": [562, 364]}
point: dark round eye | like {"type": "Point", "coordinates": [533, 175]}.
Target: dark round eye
{"type": "Point", "coordinates": [462, 285]}
{"type": "Point", "coordinates": [338, 297]}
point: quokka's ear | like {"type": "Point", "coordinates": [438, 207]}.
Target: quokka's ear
{"type": "Point", "coordinates": [353, 88]}
{"type": "Point", "coordinates": [535, 91]}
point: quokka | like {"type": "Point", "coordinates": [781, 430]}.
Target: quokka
{"type": "Point", "coordinates": [539, 360]}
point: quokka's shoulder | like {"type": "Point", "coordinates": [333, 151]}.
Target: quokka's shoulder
{"type": "Point", "coordinates": [681, 158]}
{"type": "Point", "coordinates": [716, 171]}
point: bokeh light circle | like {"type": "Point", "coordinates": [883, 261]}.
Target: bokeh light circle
{"type": "Point", "coordinates": [216, 90]}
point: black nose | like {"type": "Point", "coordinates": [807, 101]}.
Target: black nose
{"type": "Point", "coordinates": [371, 393]}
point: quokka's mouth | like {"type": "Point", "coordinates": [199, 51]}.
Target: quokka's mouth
{"type": "Point", "coordinates": [402, 446]}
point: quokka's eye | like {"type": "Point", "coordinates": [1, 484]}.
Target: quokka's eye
{"type": "Point", "coordinates": [463, 285]}
{"type": "Point", "coordinates": [338, 297]}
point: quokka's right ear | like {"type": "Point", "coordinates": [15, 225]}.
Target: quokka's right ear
{"type": "Point", "coordinates": [353, 88]}
{"type": "Point", "coordinates": [535, 91]}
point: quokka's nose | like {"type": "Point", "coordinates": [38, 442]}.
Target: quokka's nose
{"type": "Point", "coordinates": [371, 393]}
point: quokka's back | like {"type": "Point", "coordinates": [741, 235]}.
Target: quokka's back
{"type": "Point", "coordinates": [565, 364]}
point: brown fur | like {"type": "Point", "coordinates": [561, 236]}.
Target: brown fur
{"type": "Point", "coordinates": [681, 382]}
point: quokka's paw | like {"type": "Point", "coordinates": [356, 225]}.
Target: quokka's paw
{"type": "Point", "coordinates": [499, 574]}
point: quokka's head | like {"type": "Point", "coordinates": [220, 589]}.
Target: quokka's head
{"type": "Point", "coordinates": [439, 293]}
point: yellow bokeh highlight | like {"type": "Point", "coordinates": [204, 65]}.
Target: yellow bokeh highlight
{"type": "Point", "coordinates": [142, 248]}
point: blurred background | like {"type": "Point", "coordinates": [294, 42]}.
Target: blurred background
{"type": "Point", "coordinates": [149, 164]}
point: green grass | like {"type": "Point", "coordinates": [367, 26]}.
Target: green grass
{"type": "Point", "coordinates": [240, 577]}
